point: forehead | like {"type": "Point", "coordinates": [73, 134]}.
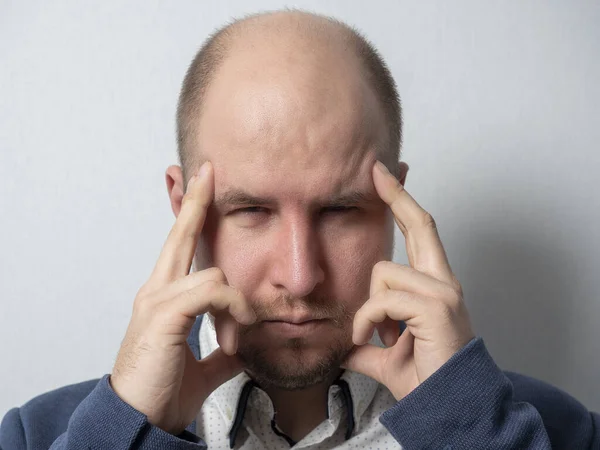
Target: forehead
{"type": "Point", "coordinates": [289, 128]}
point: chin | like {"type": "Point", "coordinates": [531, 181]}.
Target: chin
{"type": "Point", "coordinates": [294, 363]}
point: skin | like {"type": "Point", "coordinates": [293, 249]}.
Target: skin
{"type": "Point", "coordinates": [275, 128]}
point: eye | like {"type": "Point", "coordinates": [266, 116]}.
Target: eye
{"type": "Point", "coordinates": [249, 210]}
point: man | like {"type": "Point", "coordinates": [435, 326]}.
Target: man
{"type": "Point", "coordinates": [289, 131]}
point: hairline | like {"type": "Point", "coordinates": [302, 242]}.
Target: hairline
{"type": "Point", "coordinates": [215, 50]}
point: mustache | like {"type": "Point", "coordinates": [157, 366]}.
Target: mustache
{"type": "Point", "coordinates": [317, 306]}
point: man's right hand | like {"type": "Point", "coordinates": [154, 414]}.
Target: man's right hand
{"type": "Point", "coordinates": [156, 371]}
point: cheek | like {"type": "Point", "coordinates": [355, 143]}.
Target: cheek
{"type": "Point", "coordinates": [351, 255]}
{"type": "Point", "coordinates": [238, 255]}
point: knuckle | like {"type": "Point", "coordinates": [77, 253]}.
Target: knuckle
{"type": "Point", "coordinates": [457, 286]}
{"type": "Point", "coordinates": [215, 274]}
{"type": "Point", "coordinates": [141, 305]}
{"type": "Point", "coordinates": [144, 290]}
{"type": "Point", "coordinates": [237, 293]}
{"type": "Point", "coordinates": [453, 297]}
{"type": "Point", "coordinates": [194, 198]}
{"type": "Point", "coordinates": [210, 288]}
{"type": "Point", "coordinates": [188, 198]}
{"type": "Point", "coordinates": [428, 221]}
{"type": "Point", "coordinates": [381, 267]}
{"type": "Point", "coordinates": [382, 298]}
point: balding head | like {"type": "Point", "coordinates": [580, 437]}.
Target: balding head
{"type": "Point", "coordinates": [296, 41]}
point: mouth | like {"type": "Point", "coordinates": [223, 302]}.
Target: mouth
{"type": "Point", "coordinates": [295, 320]}
{"type": "Point", "coordinates": [294, 327]}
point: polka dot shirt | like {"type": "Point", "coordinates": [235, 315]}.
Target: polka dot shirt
{"type": "Point", "coordinates": [257, 428]}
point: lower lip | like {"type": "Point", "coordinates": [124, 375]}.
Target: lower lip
{"type": "Point", "coordinates": [294, 329]}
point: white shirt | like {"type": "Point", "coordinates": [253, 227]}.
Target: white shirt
{"type": "Point", "coordinates": [258, 430]}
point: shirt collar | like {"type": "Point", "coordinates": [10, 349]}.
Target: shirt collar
{"type": "Point", "coordinates": [230, 402]}
{"type": "Point", "coordinates": [227, 395]}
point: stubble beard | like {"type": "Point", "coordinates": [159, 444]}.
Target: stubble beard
{"type": "Point", "coordinates": [293, 365]}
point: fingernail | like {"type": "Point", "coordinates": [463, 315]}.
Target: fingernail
{"type": "Point", "coordinates": [203, 170]}
{"type": "Point", "coordinates": [190, 181]}
{"type": "Point", "coordinates": [382, 168]}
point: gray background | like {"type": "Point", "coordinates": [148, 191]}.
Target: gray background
{"type": "Point", "coordinates": [502, 124]}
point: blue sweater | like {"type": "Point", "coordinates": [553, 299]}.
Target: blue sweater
{"type": "Point", "coordinates": [469, 403]}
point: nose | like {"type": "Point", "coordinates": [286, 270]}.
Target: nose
{"type": "Point", "coordinates": [296, 266]}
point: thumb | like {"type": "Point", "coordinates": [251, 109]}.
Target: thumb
{"type": "Point", "coordinates": [366, 359]}
{"type": "Point", "coordinates": [217, 368]}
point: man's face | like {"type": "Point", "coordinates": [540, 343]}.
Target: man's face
{"type": "Point", "coordinates": [296, 224]}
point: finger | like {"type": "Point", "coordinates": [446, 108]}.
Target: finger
{"type": "Point", "coordinates": [191, 281]}
{"type": "Point", "coordinates": [227, 330]}
{"type": "Point", "coordinates": [399, 277]}
{"type": "Point", "coordinates": [389, 331]}
{"type": "Point", "coordinates": [212, 296]}
{"type": "Point", "coordinates": [396, 305]}
{"type": "Point", "coordinates": [176, 257]}
{"type": "Point", "coordinates": [375, 362]}
{"type": "Point", "coordinates": [423, 245]}
{"type": "Point", "coordinates": [366, 359]}
{"type": "Point", "coordinates": [217, 368]}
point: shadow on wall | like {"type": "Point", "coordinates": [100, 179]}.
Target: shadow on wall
{"type": "Point", "coordinates": [520, 286]}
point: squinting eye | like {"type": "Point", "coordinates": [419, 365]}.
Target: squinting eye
{"type": "Point", "coordinates": [250, 210]}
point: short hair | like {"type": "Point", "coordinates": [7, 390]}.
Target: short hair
{"type": "Point", "coordinates": [215, 49]}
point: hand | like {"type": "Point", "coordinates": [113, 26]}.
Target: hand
{"type": "Point", "coordinates": [426, 296]}
{"type": "Point", "coordinates": [156, 371]}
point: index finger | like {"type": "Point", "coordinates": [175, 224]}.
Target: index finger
{"type": "Point", "coordinates": [423, 245]}
{"type": "Point", "coordinates": [176, 256]}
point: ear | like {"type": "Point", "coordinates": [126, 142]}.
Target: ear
{"type": "Point", "coordinates": [403, 172]}
{"type": "Point", "coordinates": [174, 179]}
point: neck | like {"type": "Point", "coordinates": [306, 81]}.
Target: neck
{"type": "Point", "coordinates": [299, 412]}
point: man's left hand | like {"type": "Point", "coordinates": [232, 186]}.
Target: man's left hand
{"type": "Point", "coordinates": [425, 295]}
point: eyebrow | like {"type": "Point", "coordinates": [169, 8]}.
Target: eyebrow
{"type": "Point", "coordinates": [237, 197]}
{"type": "Point", "coordinates": [352, 198]}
